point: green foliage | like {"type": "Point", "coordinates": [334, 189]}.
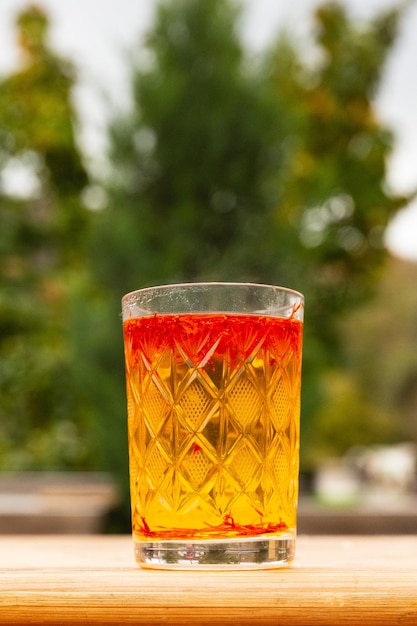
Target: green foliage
{"type": "Point", "coordinates": [374, 401]}
{"type": "Point", "coordinates": [270, 172]}
{"type": "Point", "coordinates": [191, 159]}
{"type": "Point", "coordinates": [381, 336]}
{"type": "Point", "coordinates": [334, 204]}
{"type": "Point", "coordinates": [333, 189]}
{"type": "Point", "coordinates": [224, 169]}
{"type": "Point", "coordinates": [43, 420]}
{"type": "Point", "coordinates": [348, 417]}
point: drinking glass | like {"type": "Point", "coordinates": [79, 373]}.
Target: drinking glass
{"type": "Point", "coordinates": [213, 374]}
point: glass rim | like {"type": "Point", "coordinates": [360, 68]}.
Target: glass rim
{"type": "Point", "coordinates": [154, 288]}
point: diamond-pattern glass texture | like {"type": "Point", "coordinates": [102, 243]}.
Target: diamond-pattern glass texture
{"type": "Point", "coordinates": [213, 426]}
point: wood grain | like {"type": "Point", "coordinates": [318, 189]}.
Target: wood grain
{"type": "Point", "coordinates": [94, 580]}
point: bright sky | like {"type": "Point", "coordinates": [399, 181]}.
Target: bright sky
{"type": "Point", "coordinates": [99, 35]}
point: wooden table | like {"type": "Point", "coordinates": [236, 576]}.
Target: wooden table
{"type": "Point", "coordinates": [94, 580]}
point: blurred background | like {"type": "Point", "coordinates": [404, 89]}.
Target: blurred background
{"type": "Point", "coordinates": [153, 142]}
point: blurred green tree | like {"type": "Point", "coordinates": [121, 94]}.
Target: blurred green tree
{"type": "Point", "coordinates": [224, 169]}
{"type": "Point", "coordinates": [43, 225]}
{"type": "Point", "coordinates": [334, 196]}
{"type": "Point", "coordinates": [386, 327]}
{"type": "Point", "coordinates": [334, 189]}
{"type": "Point", "coordinates": [191, 160]}
{"type": "Point", "coordinates": [227, 169]}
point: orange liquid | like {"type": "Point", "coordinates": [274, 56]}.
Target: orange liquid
{"type": "Point", "coordinates": [213, 418]}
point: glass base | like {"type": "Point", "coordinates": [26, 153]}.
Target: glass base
{"type": "Point", "coordinates": [259, 553]}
